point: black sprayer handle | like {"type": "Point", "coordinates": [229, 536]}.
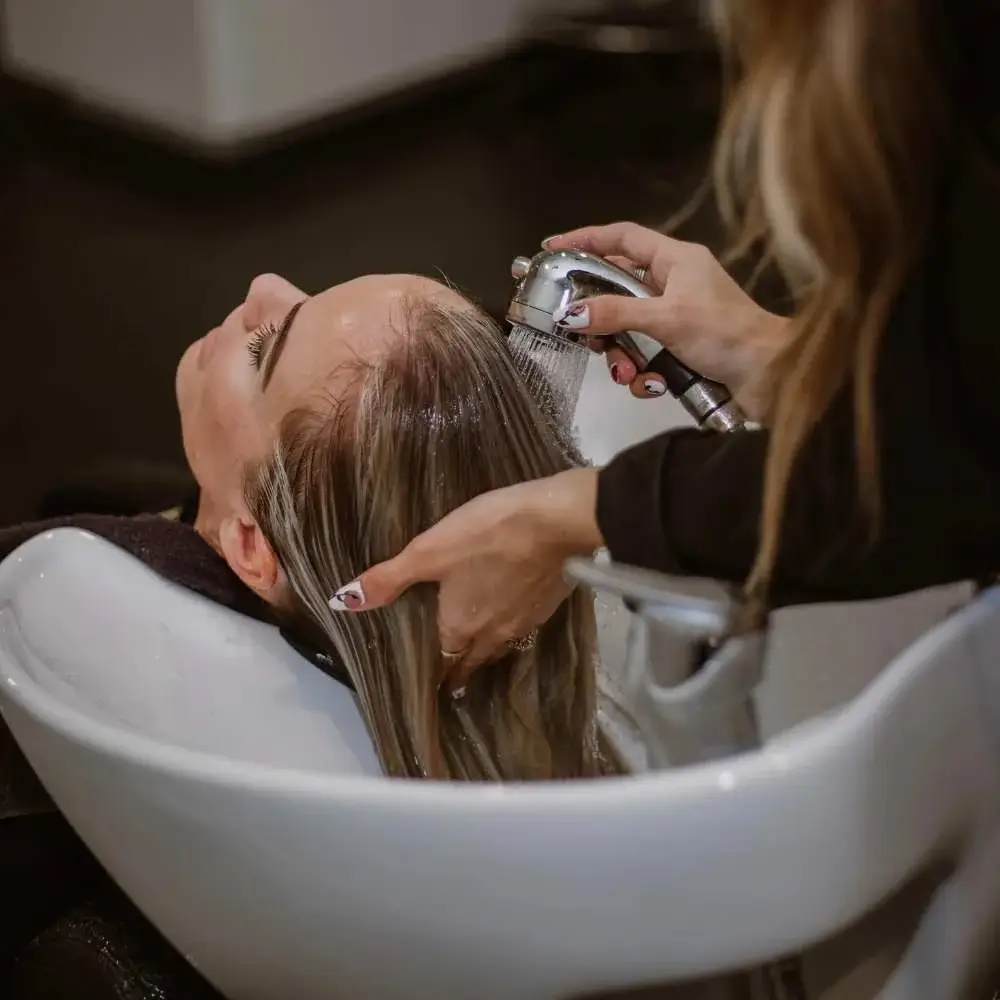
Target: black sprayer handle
{"type": "Point", "coordinates": [676, 374]}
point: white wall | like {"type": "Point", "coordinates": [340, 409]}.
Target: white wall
{"type": "Point", "coordinates": [221, 71]}
{"type": "Point", "coordinates": [274, 62]}
{"type": "Point", "coordinates": [141, 59]}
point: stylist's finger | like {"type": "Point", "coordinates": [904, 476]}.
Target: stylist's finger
{"type": "Point", "coordinates": [607, 314]}
{"type": "Point", "coordinates": [465, 651]}
{"type": "Point", "coordinates": [610, 314]}
{"type": "Point", "coordinates": [647, 386]}
{"type": "Point", "coordinates": [384, 582]}
{"type": "Point", "coordinates": [456, 644]}
{"type": "Point", "coordinates": [479, 652]}
{"type": "Point", "coordinates": [623, 371]}
{"type": "Point", "coordinates": [621, 367]}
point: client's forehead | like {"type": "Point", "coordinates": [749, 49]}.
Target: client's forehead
{"type": "Point", "coordinates": [365, 315]}
{"type": "Point", "coordinates": [346, 325]}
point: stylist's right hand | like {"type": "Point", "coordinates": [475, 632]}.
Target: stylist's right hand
{"type": "Point", "coordinates": [701, 314]}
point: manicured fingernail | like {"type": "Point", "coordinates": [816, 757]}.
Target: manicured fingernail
{"type": "Point", "coordinates": [350, 597]}
{"type": "Point", "coordinates": [653, 387]}
{"type": "Point", "coordinates": [576, 315]}
{"type": "Point", "coordinates": [550, 239]}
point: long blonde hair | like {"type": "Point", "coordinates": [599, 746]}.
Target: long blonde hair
{"type": "Point", "coordinates": [441, 418]}
{"type": "Point", "coordinates": [827, 160]}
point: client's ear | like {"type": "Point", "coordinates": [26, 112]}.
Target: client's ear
{"type": "Point", "coordinates": [249, 555]}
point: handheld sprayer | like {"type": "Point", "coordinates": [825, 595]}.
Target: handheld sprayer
{"type": "Point", "coordinates": [553, 279]}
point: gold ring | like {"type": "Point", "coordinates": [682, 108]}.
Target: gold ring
{"type": "Point", "coordinates": [452, 657]}
{"type": "Point", "coordinates": [525, 643]}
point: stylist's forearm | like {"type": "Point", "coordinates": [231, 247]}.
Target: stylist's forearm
{"type": "Point", "coordinates": [571, 511]}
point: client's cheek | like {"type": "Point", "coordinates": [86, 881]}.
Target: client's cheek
{"type": "Point", "coordinates": [185, 377]}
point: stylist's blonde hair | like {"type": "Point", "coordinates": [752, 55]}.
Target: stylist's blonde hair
{"type": "Point", "coordinates": [827, 159]}
{"type": "Point", "coordinates": [440, 419]}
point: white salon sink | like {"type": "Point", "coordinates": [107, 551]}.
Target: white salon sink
{"type": "Point", "coordinates": [231, 791]}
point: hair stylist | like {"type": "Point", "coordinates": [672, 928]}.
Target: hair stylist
{"type": "Point", "coordinates": [855, 151]}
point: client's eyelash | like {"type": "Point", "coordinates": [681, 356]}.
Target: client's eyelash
{"type": "Point", "coordinates": [257, 343]}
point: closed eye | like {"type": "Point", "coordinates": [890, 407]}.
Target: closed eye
{"type": "Point", "coordinates": [257, 344]}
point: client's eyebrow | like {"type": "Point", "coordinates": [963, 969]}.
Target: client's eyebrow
{"type": "Point", "coordinates": [278, 345]}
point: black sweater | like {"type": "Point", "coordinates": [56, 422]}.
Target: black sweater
{"type": "Point", "coordinates": [689, 503]}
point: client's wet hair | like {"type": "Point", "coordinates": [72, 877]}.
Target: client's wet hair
{"type": "Point", "coordinates": [441, 418]}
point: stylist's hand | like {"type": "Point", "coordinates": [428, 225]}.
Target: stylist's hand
{"type": "Point", "coordinates": [498, 561]}
{"type": "Point", "coordinates": [700, 314]}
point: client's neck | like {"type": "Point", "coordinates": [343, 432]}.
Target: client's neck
{"type": "Point", "coordinates": [206, 521]}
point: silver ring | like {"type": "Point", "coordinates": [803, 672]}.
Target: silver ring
{"type": "Point", "coordinates": [453, 657]}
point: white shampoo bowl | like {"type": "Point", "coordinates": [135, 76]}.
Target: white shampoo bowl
{"type": "Point", "coordinates": [231, 791]}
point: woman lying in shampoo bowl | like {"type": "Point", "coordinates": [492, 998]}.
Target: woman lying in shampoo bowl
{"type": "Point", "coordinates": [325, 433]}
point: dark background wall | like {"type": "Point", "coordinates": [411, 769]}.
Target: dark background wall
{"type": "Point", "coordinates": [115, 252]}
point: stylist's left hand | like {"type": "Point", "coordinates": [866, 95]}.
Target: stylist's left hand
{"type": "Point", "coordinates": [498, 561]}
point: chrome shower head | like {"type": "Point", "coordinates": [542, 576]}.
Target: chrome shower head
{"type": "Point", "coordinates": [551, 280]}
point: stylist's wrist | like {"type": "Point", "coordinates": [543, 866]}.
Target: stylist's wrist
{"type": "Point", "coordinates": [765, 334]}
{"type": "Point", "coordinates": [567, 507]}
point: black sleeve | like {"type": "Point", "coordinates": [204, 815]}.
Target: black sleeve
{"type": "Point", "coordinates": [689, 502]}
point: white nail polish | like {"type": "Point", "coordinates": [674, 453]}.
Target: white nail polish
{"type": "Point", "coordinates": [350, 590]}
{"type": "Point", "coordinates": [573, 316]}
{"type": "Point", "coordinates": [653, 387]}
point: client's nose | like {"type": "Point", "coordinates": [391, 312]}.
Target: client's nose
{"type": "Point", "coordinates": [269, 297]}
